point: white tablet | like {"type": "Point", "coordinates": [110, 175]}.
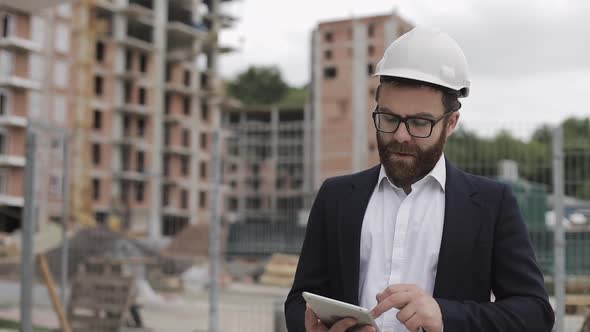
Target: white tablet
{"type": "Point", "coordinates": [330, 311]}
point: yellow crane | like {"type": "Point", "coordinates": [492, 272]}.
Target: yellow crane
{"type": "Point", "coordinates": [85, 35]}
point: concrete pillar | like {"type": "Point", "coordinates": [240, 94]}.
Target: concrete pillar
{"type": "Point", "coordinates": [194, 124]}
{"type": "Point", "coordinates": [119, 33]}
{"type": "Point", "coordinates": [360, 113]}
{"type": "Point", "coordinates": [316, 107]}
{"type": "Point", "coordinates": [160, 35]}
{"type": "Point", "coordinates": [308, 169]}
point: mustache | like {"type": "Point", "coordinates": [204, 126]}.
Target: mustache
{"type": "Point", "coordinates": [403, 148]}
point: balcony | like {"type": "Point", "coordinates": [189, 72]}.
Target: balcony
{"type": "Point", "coordinates": [180, 88]}
{"type": "Point", "coordinates": [182, 52]}
{"type": "Point", "coordinates": [124, 141]}
{"type": "Point", "coordinates": [137, 43]}
{"type": "Point", "coordinates": [183, 29]}
{"type": "Point", "coordinates": [17, 82]}
{"type": "Point", "coordinates": [12, 161]}
{"type": "Point", "coordinates": [175, 118]}
{"type": "Point", "coordinates": [173, 180]}
{"type": "Point", "coordinates": [20, 45]}
{"type": "Point", "coordinates": [178, 150]}
{"type": "Point", "coordinates": [227, 21]}
{"type": "Point", "coordinates": [13, 121]}
{"type": "Point", "coordinates": [17, 201]}
{"type": "Point", "coordinates": [129, 75]}
{"type": "Point", "coordinates": [141, 11]}
{"type": "Point", "coordinates": [174, 211]}
{"type": "Point", "coordinates": [133, 109]}
{"type": "Point", "coordinates": [131, 141]}
{"type": "Point", "coordinates": [132, 175]}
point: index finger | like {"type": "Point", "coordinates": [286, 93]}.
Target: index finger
{"type": "Point", "coordinates": [392, 289]}
{"type": "Point", "coordinates": [396, 300]}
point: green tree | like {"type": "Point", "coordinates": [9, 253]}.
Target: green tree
{"type": "Point", "coordinates": [576, 132]}
{"type": "Point", "coordinates": [480, 156]}
{"type": "Point", "coordinates": [295, 97]}
{"type": "Point", "coordinates": [259, 85]}
{"type": "Point", "coordinates": [543, 134]}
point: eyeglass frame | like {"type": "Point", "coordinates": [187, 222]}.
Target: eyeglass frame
{"type": "Point", "coordinates": [404, 120]}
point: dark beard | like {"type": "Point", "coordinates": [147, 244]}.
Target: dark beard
{"type": "Point", "coordinates": [403, 174]}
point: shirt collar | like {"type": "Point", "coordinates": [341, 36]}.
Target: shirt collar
{"type": "Point", "coordinates": [439, 173]}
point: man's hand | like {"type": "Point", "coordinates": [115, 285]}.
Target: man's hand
{"type": "Point", "coordinates": [416, 308]}
{"type": "Point", "coordinates": [313, 324]}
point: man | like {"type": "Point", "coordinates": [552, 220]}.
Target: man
{"type": "Point", "coordinates": [419, 242]}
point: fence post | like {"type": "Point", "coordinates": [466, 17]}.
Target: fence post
{"type": "Point", "coordinates": [559, 238]}
{"type": "Point", "coordinates": [214, 245]}
{"type": "Point", "coordinates": [65, 218]}
{"type": "Point", "coordinates": [27, 230]}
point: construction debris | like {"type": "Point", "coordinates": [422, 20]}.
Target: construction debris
{"type": "Point", "coordinates": [193, 243]}
{"type": "Point", "coordinates": [101, 242]}
{"type": "Point", "coordinates": [280, 270]}
{"type": "Point", "coordinates": [190, 251]}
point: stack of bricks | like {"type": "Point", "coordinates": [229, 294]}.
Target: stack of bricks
{"type": "Point", "coordinates": [280, 270]}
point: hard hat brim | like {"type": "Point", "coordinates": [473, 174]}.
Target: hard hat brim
{"type": "Point", "coordinates": [461, 88]}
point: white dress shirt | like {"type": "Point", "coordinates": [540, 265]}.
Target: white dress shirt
{"type": "Point", "coordinates": [400, 239]}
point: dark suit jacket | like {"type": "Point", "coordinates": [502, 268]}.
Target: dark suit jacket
{"type": "Point", "coordinates": [485, 248]}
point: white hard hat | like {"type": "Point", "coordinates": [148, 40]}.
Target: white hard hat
{"type": "Point", "coordinates": [427, 55]}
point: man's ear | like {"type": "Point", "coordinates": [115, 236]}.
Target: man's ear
{"type": "Point", "coordinates": [452, 123]}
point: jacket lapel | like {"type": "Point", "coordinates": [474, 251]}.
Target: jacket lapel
{"type": "Point", "coordinates": [351, 214]}
{"type": "Point", "coordinates": [460, 231]}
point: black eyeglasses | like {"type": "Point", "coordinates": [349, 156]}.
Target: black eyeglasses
{"type": "Point", "coordinates": [419, 127]}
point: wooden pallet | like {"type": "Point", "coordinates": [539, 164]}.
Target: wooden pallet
{"type": "Point", "coordinates": [577, 304]}
{"type": "Point", "coordinates": [101, 297]}
{"type": "Point", "coordinates": [280, 270]}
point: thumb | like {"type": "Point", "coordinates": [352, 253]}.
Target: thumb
{"type": "Point", "coordinates": [311, 319]}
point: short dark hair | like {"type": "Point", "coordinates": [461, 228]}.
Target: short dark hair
{"type": "Point", "coordinates": [450, 98]}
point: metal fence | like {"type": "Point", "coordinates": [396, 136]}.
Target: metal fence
{"type": "Point", "coordinates": [247, 302]}
{"type": "Point", "coordinates": [528, 166]}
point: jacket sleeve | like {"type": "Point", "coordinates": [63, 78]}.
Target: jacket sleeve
{"type": "Point", "coordinates": [312, 272]}
{"type": "Point", "coordinates": [517, 283]}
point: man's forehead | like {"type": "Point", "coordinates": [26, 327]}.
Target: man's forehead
{"type": "Point", "coordinates": [411, 99]}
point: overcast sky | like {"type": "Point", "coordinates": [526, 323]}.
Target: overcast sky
{"type": "Point", "coordinates": [529, 60]}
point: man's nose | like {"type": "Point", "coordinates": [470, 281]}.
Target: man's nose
{"type": "Point", "coordinates": [402, 135]}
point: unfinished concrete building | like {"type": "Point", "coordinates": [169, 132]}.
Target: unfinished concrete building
{"type": "Point", "coordinates": [134, 83]}
{"type": "Point", "coordinates": [267, 163]}
{"type": "Point", "coordinates": [344, 56]}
